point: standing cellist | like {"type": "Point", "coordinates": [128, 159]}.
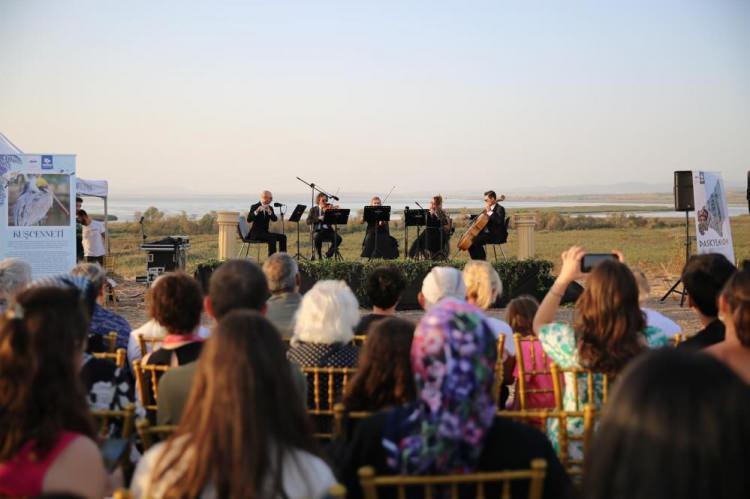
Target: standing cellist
{"type": "Point", "coordinates": [494, 232]}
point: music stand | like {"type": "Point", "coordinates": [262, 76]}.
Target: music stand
{"type": "Point", "coordinates": [295, 217]}
{"type": "Point", "coordinates": [413, 218]}
{"type": "Point", "coordinates": [375, 215]}
{"type": "Point", "coordinates": [335, 217]}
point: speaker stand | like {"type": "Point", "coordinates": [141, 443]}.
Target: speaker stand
{"type": "Point", "coordinates": [673, 289]}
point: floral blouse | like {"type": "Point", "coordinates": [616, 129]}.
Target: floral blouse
{"type": "Point", "coordinates": [559, 342]}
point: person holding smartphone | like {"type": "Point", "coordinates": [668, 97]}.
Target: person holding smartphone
{"type": "Point", "coordinates": [608, 330]}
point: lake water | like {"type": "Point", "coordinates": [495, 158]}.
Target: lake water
{"type": "Point", "coordinates": [125, 207]}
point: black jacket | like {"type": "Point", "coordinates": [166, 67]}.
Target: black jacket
{"type": "Point", "coordinates": [261, 220]}
{"type": "Point", "coordinates": [496, 226]}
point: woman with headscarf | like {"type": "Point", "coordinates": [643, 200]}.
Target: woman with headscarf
{"type": "Point", "coordinates": [451, 427]}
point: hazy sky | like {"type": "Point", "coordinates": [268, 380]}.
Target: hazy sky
{"type": "Point", "coordinates": [433, 96]}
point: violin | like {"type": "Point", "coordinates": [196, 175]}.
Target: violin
{"type": "Point", "coordinates": [330, 206]}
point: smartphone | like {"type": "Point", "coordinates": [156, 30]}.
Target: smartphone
{"type": "Point", "coordinates": [591, 260]}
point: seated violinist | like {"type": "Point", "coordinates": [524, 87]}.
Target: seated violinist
{"type": "Point", "coordinates": [433, 242]}
{"type": "Point", "coordinates": [494, 232]}
{"type": "Point", "coordinates": [322, 231]}
{"type": "Point", "coordinates": [378, 242]}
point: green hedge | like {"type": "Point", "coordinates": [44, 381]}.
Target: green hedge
{"type": "Point", "coordinates": [518, 276]}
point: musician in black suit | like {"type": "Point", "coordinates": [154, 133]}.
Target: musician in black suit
{"type": "Point", "coordinates": [323, 232]}
{"type": "Point", "coordinates": [387, 245]}
{"type": "Point", "coordinates": [494, 232]}
{"type": "Point", "coordinates": [261, 214]}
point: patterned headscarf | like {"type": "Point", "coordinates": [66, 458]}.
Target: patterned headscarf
{"type": "Point", "coordinates": [82, 284]}
{"type": "Point", "coordinates": [453, 357]}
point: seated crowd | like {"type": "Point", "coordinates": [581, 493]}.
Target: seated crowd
{"type": "Point", "coordinates": [446, 395]}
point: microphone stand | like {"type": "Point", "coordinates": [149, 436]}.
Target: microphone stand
{"type": "Point", "coordinates": [313, 187]}
{"type": "Point", "coordinates": [423, 244]}
{"type": "Point", "coordinates": [143, 232]}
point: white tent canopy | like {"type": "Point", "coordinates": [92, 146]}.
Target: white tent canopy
{"type": "Point", "coordinates": [8, 147]}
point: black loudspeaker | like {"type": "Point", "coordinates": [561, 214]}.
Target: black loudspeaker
{"type": "Point", "coordinates": [683, 191]}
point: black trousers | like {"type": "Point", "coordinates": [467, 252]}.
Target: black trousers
{"type": "Point", "coordinates": [271, 238]}
{"type": "Point", "coordinates": [322, 236]}
{"type": "Point", "coordinates": [476, 250]}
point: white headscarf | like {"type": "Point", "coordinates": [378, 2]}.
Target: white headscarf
{"type": "Point", "coordinates": [443, 282]}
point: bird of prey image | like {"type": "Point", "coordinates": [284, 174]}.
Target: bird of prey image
{"type": "Point", "coordinates": [34, 201]}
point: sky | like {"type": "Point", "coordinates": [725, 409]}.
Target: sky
{"type": "Point", "coordinates": [227, 97]}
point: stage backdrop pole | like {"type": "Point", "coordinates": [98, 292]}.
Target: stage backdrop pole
{"type": "Point", "coordinates": [227, 221]}
{"type": "Point", "coordinates": [525, 224]}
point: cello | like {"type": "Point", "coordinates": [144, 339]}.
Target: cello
{"type": "Point", "coordinates": [476, 228]}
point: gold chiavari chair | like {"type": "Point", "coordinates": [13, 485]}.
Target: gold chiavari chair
{"type": "Point", "coordinates": [499, 367]}
{"type": "Point", "coordinates": [678, 338]}
{"type": "Point", "coordinates": [148, 345]}
{"type": "Point", "coordinates": [588, 414]}
{"type": "Point", "coordinates": [105, 418]}
{"type": "Point", "coordinates": [582, 384]}
{"type": "Point", "coordinates": [527, 373]}
{"type": "Point", "coordinates": [153, 434]}
{"type": "Point", "coordinates": [359, 339]}
{"type": "Point", "coordinates": [118, 357]}
{"type": "Point", "coordinates": [147, 383]}
{"type": "Point", "coordinates": [453, 484]}
{"type": "Point", "coordinates": [111, 341]}
{"type": "Point", "coordinates": [328, 384]}
{"type": "Point", "coordinates": [337, 491]}
{"type": "Point", "coordinates": [122, 494]}
{"type": "Point", "coordinates": [342, 418]}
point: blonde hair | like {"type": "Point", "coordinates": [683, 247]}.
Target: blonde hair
{"type": "Point", "coordinates": [483, 284]}
{"type": "Point", "coordinates": [328, 314]}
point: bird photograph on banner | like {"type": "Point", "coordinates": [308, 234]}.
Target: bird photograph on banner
{"type": "Point", "coordinates": [39, 200]}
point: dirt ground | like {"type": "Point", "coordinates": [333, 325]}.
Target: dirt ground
{"type": "Point", "coordinates": [131, 306]}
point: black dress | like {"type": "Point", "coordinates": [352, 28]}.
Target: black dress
{"type": "Point", "coordinates": [507, 446]}
{"type": "Point", "coordinates": [387, 246]}
{"type": "Point", "coordinates": [433, 242]}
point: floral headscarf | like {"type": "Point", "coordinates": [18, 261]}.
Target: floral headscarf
{"type": "Point", "coordinates": [453, 357]}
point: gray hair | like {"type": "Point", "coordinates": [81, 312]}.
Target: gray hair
{"type": "Point", "coordinates": [93, 272]}
{"type": "Point", "coordinates": [15, 274]}
{"type": "Point", "coordinates": [281, 272]}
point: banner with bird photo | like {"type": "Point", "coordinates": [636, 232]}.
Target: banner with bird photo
{"type": "Point", "coordinates": [37, 211]}
{"type": "Point", "coordinates": [712, 229]}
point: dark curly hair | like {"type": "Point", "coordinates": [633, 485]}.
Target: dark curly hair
{"type": "Point", "coordinates": [737, 295]}
{"type": "Point", "coordinates": [175, 301]}
{"type": "Point", "coordinates": [608, 321]}
{"type": "Point", "coordinates": [41, 392]}
{"type": "Point", "coordinates": [384, 377]}
{"type": "Point", "coordinates": [384, 286]}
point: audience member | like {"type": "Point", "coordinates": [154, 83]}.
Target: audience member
{"type": "Point", "coordinates": [47, 438]}
{"type": "Point", "coordinates": [323, 329]}
{"type": "Point", "coordinates": [384, 376]}
{"type": "Point", "coordinates": [704, 276]}
{"type": "Point", "coordinates": [483, 288]}
{"type": "Point", "coordinates": [103, 321]}
{"type": "Point", "coordinates": [441, 282]}
{"type": "Point", "coordinates": [451, 427]}
{"type": "Point", "coordinates": [653, 318]}
{"type": "Point", "coordinates": [384, 287]}
{"type": "Point", "coordinates": [676, 425]}
{"type": "Point", "coordinates": [282, 274]}
{"type": "Point", "coordinates": [734, 313]}
{"type": "Point", "coordinates": [241, 434]}
{"type": "Point", "coordinates": [176, 301]}
{"type": "Point", "coordinates": [520, 315]}
{"type": "Point", "coordinates": [251, 292]}
{"type": "Point", "coordinates": [15, 274]}
{"type": "Point", "coordinates": [151, 329]}
{"type": "Point", "coordinates": [608, 331]}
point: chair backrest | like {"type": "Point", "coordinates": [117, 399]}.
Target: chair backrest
{"type": "Point", "coordinates": [359, 339]}
{"type": "Point", "coordinates": [147, 382]}
{"type": "Point", "coordinates": [583, 384]}
{"type": "Point", "coordinates": [328, 385]}
{"type": "Point", "coordinates": [540, 418]}
{"type": "Point", "coordinates": [145, 342]}
{"type": "Point", "coordinates": [118, 357]}
{"type": "Point", "coordinates": [499, 367]}
{"type": "Point", "coordinates": [678, 338]}
{"type": "Point", "coordinates": [507, 223]}
{"type": "Point", "coordinates": [536, 373]}
{"type": "Point", "coordinates": [337, 491]}
{"type": "Point", "coordinates": [451, 485]}
{"type": "Point", "coordinates": [122, 494]}
{"type": "Point", "coordinates": [106, 418]}
{"type": "Point", "coordinates": [111, 341]}
{"type": "Point", "coordinates": [152, 434]}
{"type": "Point", "coordinates": [341, 417]}
{"type": "Point", "coordinates": [242, 228]}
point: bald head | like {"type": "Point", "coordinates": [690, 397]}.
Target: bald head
{"type": "Point", "coordinates": [266, 197]}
